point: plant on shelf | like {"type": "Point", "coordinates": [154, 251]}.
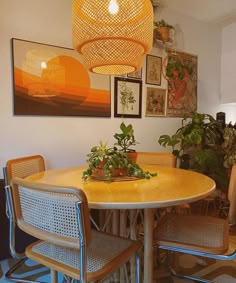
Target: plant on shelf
{"type": "Point", "coordinates": [110, 162]}
{"type": "Point", "coordinates": [162, 30]}
{"type": "Point", "coordinates": [197, 145]}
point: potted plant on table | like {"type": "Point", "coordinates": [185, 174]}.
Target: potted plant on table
{"type": "Point", "coordinates": [109, 162]}
{"type": "Point", "coordinates": [162, 30]}
{"type": "Point", "coordinates": [197, 146]}
{"type": "Point", "coordinates": [106, 163]}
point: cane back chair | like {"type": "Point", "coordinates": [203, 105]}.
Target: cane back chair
{"type": "Point", "coordinates": [199, 235]}
{"type": "Point", "coordinates": [225, 204]}
{"type": "Point", "coordinates": [18, 167]}
{"type": "Point", "coordinates": [59, 217]}
{"type": "Point", "coordinates": [156, 158]}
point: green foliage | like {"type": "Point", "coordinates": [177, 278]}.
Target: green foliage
{"type": "Point", "coordinates": [229, 146]}
{"type": "Point", "coordinates": [162, 23]}
{"type": "Point", "coordinates": [198, 146]}
{"type": "Point", "coordinates": [109, 159]}
{"type": "Point", "coordinates": [176, 69]}
{"type": "Point", "coordinates": [125, 139]}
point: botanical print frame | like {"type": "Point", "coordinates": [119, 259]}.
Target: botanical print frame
{"type": "Point", "coordinates": [135, 75]}
{"type": "Point", "coordinates": [52, 81]}
{"type": "Point", "coordinates": [182, 93]}
{"type": "Point", "coordinates": [153, 69]}
{"type": "Point", "coordinates": [127, 97]}
{"type": "Point", "coordinates": [155, 101]}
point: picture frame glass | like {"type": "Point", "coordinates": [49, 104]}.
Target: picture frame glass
{"type": "Point", "coordinates": [155, 101]}
{"type": "Point", "coordinates": [153, 69]}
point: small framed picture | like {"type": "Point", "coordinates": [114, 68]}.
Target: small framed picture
{"type": "Point", "coordinates": [127, 97]}
{"type": "Point", "coordinates": [135, 75]}
{"type": "Point", "coordinates": [155, 101]}
{"type": "Point", "coordinates": [153, 70]}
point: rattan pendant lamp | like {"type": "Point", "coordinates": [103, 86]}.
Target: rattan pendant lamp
{"type": "Point", "coordinates": [112, 35]}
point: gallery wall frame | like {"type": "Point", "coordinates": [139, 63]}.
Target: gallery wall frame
{"type": "Point", "coordinates": [153, 69]}
{"type": "Point", "coordinates": [51, 80]}
{"type": "Point", "coordinates": [136, 75]}
{"type": "Point", "coordinates": [127, 97]}
{"type": "Point", "coordinates": [155, 101]}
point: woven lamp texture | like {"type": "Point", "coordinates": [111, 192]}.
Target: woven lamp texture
{"type": "Point", "coordinates": [112, 35]}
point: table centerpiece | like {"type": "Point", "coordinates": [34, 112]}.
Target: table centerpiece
{"type": "Point", "coordinates": [113, 163]}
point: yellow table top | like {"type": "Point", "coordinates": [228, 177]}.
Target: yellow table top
{"type": "Point", "coordinates": [171, 186]}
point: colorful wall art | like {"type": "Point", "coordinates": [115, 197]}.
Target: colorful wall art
{"type": "Point", "coordinates": [52, 81]}
{"type": "Point", "coordinates": [181, 74]}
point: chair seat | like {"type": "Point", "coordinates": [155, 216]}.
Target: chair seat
{"type": "Point", "coordinates": [103, 251]}
{"type": "Point", "coordinates": [207, 234]}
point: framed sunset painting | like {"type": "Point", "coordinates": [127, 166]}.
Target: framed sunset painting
{"type": "Point", "coordinates": [52, 81]}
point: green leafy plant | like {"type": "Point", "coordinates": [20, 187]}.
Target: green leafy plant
{"type": "Point", "coordinates": [175, 69]}
{"type": "Point", "coordinates": [109, 160]}
{"type": "Point", "coordinates": [162, 23]}
{"type": "Point", "coordinates": [126, 138]}
{"type": "Point", "coordinates": [229, 146]}
{"type": "Point", "coordinates": [197, 146]}
{"type": "Point", "coordinates": [162, 31]}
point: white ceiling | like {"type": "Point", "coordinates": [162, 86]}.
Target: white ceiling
{"type": "Point", "coordinates": [212, 11]}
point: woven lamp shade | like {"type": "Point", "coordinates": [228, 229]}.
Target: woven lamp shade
{"type": "Point", "coordinates": [112, 35]}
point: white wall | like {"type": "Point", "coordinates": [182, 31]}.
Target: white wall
{"type": "Point", "coordinates": [228, 62]}
{"type": "Point", "coordinates": [65, 141]}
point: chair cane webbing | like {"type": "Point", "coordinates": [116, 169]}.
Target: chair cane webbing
{"type": "Point", "coordinates": [59, 216]}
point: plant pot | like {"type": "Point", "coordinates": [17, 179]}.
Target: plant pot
{"type": "Point", "coordinates": [164, 33]}
{"type": "Point", "coordinates": [132, 155]}
{"type": "Point", "coordinates": [117, 172]}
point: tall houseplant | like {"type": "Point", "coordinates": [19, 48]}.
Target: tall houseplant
{"type": "Point", "coordinates": [197, 144]}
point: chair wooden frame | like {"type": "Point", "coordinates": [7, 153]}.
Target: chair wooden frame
{"type": "Point", "coordinates": [214, 231]}
{"type": "Point", "coordinates": [35, 203]}
{"type": "Point", "coordinates": [18, 167]}
{"type": "Point", "coordinates": [156, 158]}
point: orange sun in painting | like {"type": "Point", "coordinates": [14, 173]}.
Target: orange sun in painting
{"type": "Point", "coordinates": [64, 74]}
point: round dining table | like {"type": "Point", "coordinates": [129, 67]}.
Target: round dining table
{"type": "Point", "coordinates": [170, 187]}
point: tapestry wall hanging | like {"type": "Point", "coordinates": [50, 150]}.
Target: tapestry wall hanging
{"type": "Point", "coordinates": [52, 81]}
{"type": "Point", "coordinates": [180, 70]}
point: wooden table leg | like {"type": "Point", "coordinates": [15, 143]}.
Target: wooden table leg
{"type": "Point", "coordinates": [148, 245]}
